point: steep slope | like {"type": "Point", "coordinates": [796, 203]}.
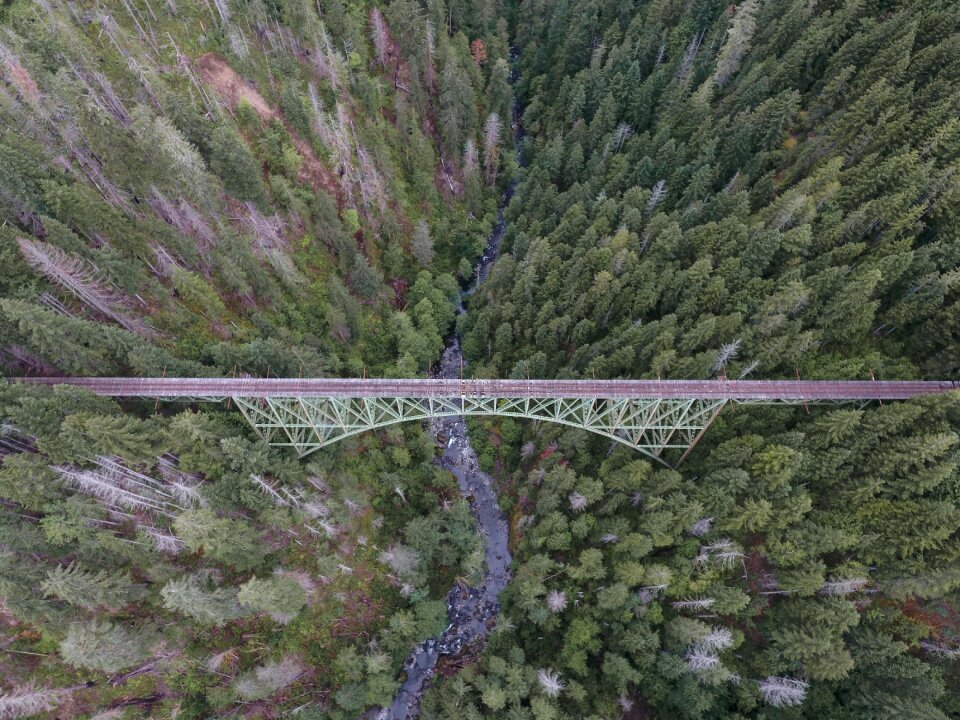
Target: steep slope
{"type": "Point", "coordinates": [761, 186]}
{"type": "Point", "coordinates": [751, 189]}
{"type": "Point", "coordinates": [287, 187]}
{"type": "Point", "coordinates": [216, 188]}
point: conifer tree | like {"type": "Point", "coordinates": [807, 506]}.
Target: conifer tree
{"type": "Point", "coordinates": [82, 279]}
{"type": "Point", "coordinates": [232, 542]}
{"type": "Point", "coordinates": [232, 161]}
{"type": "Point", "coordinates": [90, 590]}
{"type": "Point", "coordinates": [280, 596]}
{"type": "Point", "coordinates": [264, 681]}
{"type": "Point", "coordinates": [364, 278]}
{"type": "Point", "coordinates": [104, 646]}
{"type": "Point", "coordinates": [736, 43]}
{"type": "Point", "coordinates": [188, 596]}
{"type": "Point", "coordinates": [422, 243]}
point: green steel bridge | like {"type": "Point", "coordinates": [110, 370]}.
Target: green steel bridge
{"type": "Point", "coordinates": [650, 416]}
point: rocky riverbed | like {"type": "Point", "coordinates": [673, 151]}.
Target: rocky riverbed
{"type": "Point", "coordinates": [472, 611]}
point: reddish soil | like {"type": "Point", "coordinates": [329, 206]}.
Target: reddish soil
{"type": "Point", "coordinates": [232, 88]}
{"type": "Point", "coordinates": [942, 619]}
{"type": "Point", "coordinates": [215, 71]}
{"type": "Point", "coordinates": [400, 286]}
{"type": "Point", "coordinates": [23, 82]}
{"type": "Point", "coordinates": [360, 613]}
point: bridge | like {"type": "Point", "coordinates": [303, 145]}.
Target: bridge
{"type": "Point", "coordinates": [651, 416]}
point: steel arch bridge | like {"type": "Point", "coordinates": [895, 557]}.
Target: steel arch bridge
{"type": "Point", "coordinates": [650, 416]}
{"type": "Point", "coordinates": [650, 425]}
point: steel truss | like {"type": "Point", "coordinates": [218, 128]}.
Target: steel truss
{"type": "Point", "coordinates": [651, 416]}
{"type": "Point", "coordinates": [649, 425]}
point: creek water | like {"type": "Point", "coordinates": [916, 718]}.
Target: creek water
{"type": "Point", "coordinates": [471, 611]}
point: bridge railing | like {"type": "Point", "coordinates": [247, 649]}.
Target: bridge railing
{"type": "Point", "coordinates": [650, 416]}
{"type": "Point", "coordinates": [752, 391]}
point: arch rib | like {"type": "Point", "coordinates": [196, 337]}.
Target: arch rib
{"type": "Point", "coordinates": [648, 425]}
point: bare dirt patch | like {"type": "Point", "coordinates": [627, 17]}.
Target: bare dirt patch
{"type": "Point", "coordinates": [232, 88]}
{"type": "Point", "coordinates": [23, 82]}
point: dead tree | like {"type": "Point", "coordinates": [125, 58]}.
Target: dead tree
{"type": "Point", "coordinates": [83, 280]}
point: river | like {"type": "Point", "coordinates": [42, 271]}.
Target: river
{"type": "Point", "coordinates": [472, 611]}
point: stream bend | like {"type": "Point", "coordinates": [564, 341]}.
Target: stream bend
{"type": "Point", "coordinates": [472, 611]}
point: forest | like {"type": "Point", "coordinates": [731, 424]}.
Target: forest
{"type": "Point", "coordinates": [678, 189]}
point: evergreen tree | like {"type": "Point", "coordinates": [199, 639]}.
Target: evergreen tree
{"type": "Point", "coordinates": [27, 701]}
{"type": "Point", "coordinates": [230, 158]}
{"type": "Point", "coordinates": [90, 590]}
{"type": "Point", "coordinates": [232, 542]}
{"type": "Point", "coordinates": [264, 681]}
{"type": "Point", "coordinates": [102, 646]}
{"type": "Point", "coordinates": [280, 597]}
{"type": "Point", "coordinates": [188, 596]}
{"type": "Point", "coordinates": [422, 243]}
{"type": "Point", "coordinates": [365, 280]}
{"type": "Point", "coordinates": [457, 100]}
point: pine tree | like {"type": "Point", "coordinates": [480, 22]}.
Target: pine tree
{"type": "Point", "coordinates": [232, 542]}
{"type": "Point", "coordinates": [556, 601]}
{"type": "Point", "coordinates": [232, 161]}
{"type": "Point", "coordinates": [737, 42]}
{"type": "Point", "coordinates": [103, 646]}
{"type": "Point", "coordinates": [457, 100]}
{"type": "Point", "coordinates": [499, 89]}
{"type": "Point", "coordinates": [75, 346]}
{"type": "Point", "coordinates": [83, 280]}
{"type": "Point", "coordinates": [405, 562]}
{"type": "Point", "coordinates": [782, 691]}
{"type": "Point", "coordinates": [187, 595]}
{"type": "Point", "coordinates": [90, 590]}
{"type": "Point", "coordinates": [422, 243]}
{"type": "Point", "coordinates": [179, 160]}
{"type": "Point", "coordinates": [280, 597]}
{"type": "Point", "coordinates": [550, 682]}
{"type": "Point", "coordinates": [264, 681]}
{"type": "Point", "coordinates": [364, 278]}
{"type": "Point", "coordinates": [491, 146]}
{"type": "Point", "coordinates": [27, 700]}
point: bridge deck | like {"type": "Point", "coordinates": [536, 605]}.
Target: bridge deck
{"type": "Point", "coordinates": [736, 390]}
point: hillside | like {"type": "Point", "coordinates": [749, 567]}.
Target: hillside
{"type": "Point", "coordinates": [220, 188]}
{"type": "Point", "coordinates": [353, 188]}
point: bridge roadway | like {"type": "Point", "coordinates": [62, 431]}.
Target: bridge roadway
{"type": "Point", "coordinates": [746, 391]}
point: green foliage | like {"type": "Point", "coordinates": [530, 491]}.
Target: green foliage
{"type": "Point", "coordinates": [230, 158]}
{"type": "Point", "coordinates": [364, 279]}
{"type": "Point", "coordinates": [26, 478]}
{"type": "Point", "coordinates": [91, 590]}
{"type": "Point", "coordinates": [73, 345]}
{"type": "Point", "coordinates": [196, 293]}
{"type": "Point", "coordinates": [157, 249]}
{"type": "Point", "coordinates": [232, 542]}
{"type": "Point", "coordinates": [758, 189]}
{"type": "Point", "coordinates": [189, 596]}
{"type": "Point", "coordinates": [264, 681]}
{"type": "Point", "coordinates": [281, 597]}
{"type": "Point", "coordinates": [102, 646]}
{"type": "Point", "coordinates": [443, 538]}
